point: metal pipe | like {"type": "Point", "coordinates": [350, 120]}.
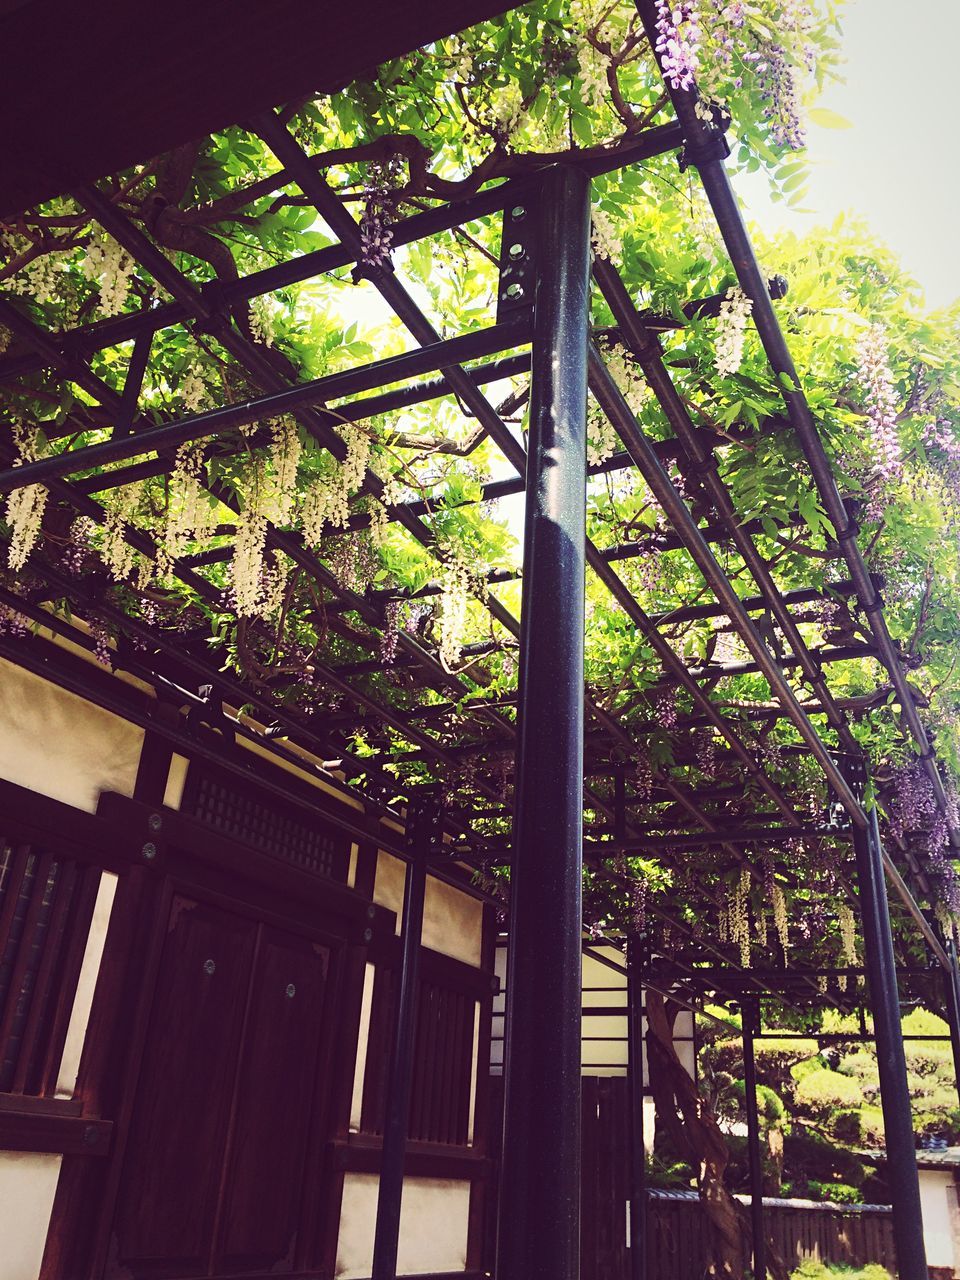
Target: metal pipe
{"type": "Point", "coordinates": [386, 1241]}
{"type": "Point", "coordinates": [750, 1024]}
{"type": "Point", "coordinates": [901, 1167]}
{"type": "Point", "coordinates": [350, 411]}
{"type": "Point", "coordinates": [539, 1236]}
{"type": "Point", "coordinates": [951, 1001]}
{"type": "Point", "coordinates": [638, 1154]}
{"type": "Point", "coordinates": [203, 425]}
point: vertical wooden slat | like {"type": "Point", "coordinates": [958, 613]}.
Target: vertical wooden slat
{"type": "Point", "coordinates": [65, 990]}
{"type": "Point", "coordinates": [588, 1188]}
{"type": "Point", "coordinates": [22, 971]}
{"type": "Point", "coordinates": [374, 1078]}
{"type": "Point", "coordinates": [465, 1073]}
{"type": "Point", "coordinates": [448, 1065]}
{"type": "Point", "coordinates": [51, 949]}
{"type": "Point", "coordinates": [483, 1190]}
{"type": "Point", "coordinates": [423, 1059]}
{"type": "Point", "coordinates": [323, 1182]}
{"type": "Point", "coordinates": [19, 868]}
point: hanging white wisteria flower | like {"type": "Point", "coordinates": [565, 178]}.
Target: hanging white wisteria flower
{"type": "Point", "coordinates": [946, 919]}
{"type": "Point", "coordinates": [601, 437]}
{"type": "Point", "coordinates": [285, 451]}
{"type": "Point", "coordinates": [604, 236]}
{"type": "Point", "coordinates": [393, 491]}
{"type": "Point", "coordinates": [740, 916]}
{"type": "Point", "coordinates": [193, 391]}
{"type": "Point", "coordinates": [246, 570]}
{"type": "Point", "coordinates": [848, 939]}
{"type": "Point", "coordinates": [273, 582]}
{"type": "Point", "coordinates": [262, 325]}
{"type": "Point", "coordinates": [189, 513]}
{"type": "Point", "coordinates": [327, 500]}
{"type": "Point", "coordinates": [628, 378]}
{"type": "Point", "coordinates": [508, 112]}
{"type": "Point", "coordinates": [25, 507]}
{"type": "Point", "coordinates": [115, 550]}
{"type": "Point", "coordinates": [454, 599]}
{"type": "Point", "coordinates": [379, 521]}
{"type": "Point", "coordinates": [38, 278]}
{"type": "Point", "coordinates": [108, 265]}
{"type": "Point", "coordinates": [760, 927]}
{"type": "Point", "coordinates": [732, 331]}
{"type": "Point", "coordinates": [781, 923]}
{"type": "Point", "coordinates": [24, 515]}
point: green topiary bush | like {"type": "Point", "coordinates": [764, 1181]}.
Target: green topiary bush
{"type": "Point", "coordinates": [819, 1089]}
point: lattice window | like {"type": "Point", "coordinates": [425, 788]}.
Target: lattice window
{"type": "Point", "coordinates": [245, 813]}
{"type": "Point", "coordinates": [443, 1062]}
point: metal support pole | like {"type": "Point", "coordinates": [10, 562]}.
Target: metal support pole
{"type": "Point", "coordinates": [638, 1155]}
{"type": "Point", "coordinates": [951, 1002]}
{"type": "Point", "coordinates": [539, 1236]}
{"type": "Point", "coordinates": [750, 1027]}
{"type": "Point", "coordinates": [901, 1165]}
{"type": "Point", "coordinates": [423, 821]}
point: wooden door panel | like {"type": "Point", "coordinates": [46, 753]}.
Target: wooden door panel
{"type": "Point", "coordinates": [273, 1110]}
{"type": "Point", "coordinates": [172, 1166]}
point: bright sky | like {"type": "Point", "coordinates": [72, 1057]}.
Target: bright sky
{"type": "Point", "coordinates": [898, 164]}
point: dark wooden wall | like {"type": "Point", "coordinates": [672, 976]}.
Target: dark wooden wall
{"type": "Point", "coordinates": [209, 1132]}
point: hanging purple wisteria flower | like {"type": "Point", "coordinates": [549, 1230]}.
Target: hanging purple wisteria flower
{"type": "Point", "coordinates": [678, 41]}
{"type": "Point", "coordinates": [880, 405]}
{"type": "Point", "coordinates": [379, 211]}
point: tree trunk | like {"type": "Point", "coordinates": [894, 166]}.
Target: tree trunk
{"type": "Point", "coordinates": [697, 1136]}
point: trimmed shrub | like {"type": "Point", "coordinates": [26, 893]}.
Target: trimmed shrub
{"type": "Point", "coordinates": [824, 1089]}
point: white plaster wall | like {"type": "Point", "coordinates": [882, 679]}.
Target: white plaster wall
{"type": "Point", "coordinates": [28, 1183]}
{"type": "Point", "coordinates": [602, 987]}
{"type": "Point", "coordinates": [176, 780]}
{"type": "Point", "coordinates": [89, 969]}
{"type": "Point", "coordinates": [606, 1056]}
{"type": "Point", "coordinates": [366, 1004]}
{"type": "Point", "coordinates": [936, 1187]}
{"type": "Point", "coordinates": [452, 920]}
{"type": "Point", "coordinates": [57, 744]}
{"type": "Point", "coordinates": [434, 1219]}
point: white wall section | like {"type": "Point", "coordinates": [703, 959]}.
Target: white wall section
{"type": "Point", "coordinates": [61, 746]}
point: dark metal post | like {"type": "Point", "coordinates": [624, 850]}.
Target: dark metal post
{"type": "Point", "coordinates": [750, 1026]}
{"type": "Point", "coordinates": [539, 1236]}
{"type": "Point", "coordinates": [894, 1091]}
{"type": "Point", "coordinates": [951, 1001]}
{"type": "Point", "coordinates": [423, 822]}
{"type": "Point", "coordinates": [638, 1155]}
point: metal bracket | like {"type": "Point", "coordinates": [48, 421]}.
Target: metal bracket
{"type": "Point", "coordinates": [711, 145]}
{"type": "Point", "coordinates": [517, 257]}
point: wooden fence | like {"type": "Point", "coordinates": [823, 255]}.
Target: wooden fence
{"type": "Point", "coordinates": [676, 1230]}
{"type": "Point", "coordinates": [798, 1229]}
